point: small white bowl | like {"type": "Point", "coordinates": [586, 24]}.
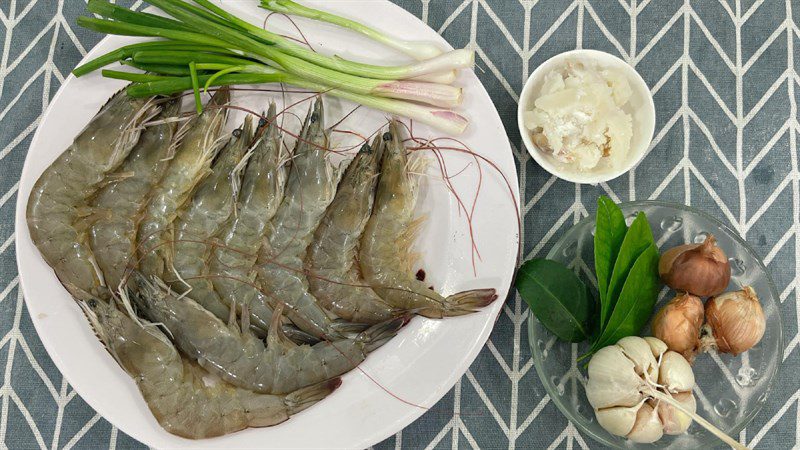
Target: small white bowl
{"type": "Point", "coordinates": [640, 107]}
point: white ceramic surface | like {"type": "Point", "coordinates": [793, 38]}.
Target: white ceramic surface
{"type": "Point", "coordinates": [640, 107]}
{"type": "Point", "coordinates": [420, 365]}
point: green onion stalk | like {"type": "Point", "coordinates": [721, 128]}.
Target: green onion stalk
{"type": "Point", "coordinates": [146, 85]}
{"type": "Point", "coordinates": [418, 50]}
{"type": "Point", "coordinates": [202, 45]}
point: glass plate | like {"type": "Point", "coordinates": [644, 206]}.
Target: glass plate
{"type": "Point", "coordinates": [729, 390]}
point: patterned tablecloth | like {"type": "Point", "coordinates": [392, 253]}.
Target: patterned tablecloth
{"type": "Point", "coordinates": [724, 75]}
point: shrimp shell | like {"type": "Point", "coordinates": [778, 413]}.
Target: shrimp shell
{"type": "Point", "coordinates": [232, 263]}
{"type": "Point", "coordinates": [58, 203]}
{"type": "Point", "coordinates": [334, 276]}
{"type": "Point", "coordinates": [310, 188]}
{"type": "Point", "coordinates": [118, 205]}
{"type": "Point", "coordinates": [385, 255]}
{"type": "Point", "coordinates": [242, 359]}
{"type": "Point", "coordinates": [187, 167]}
{"type": "Point", "coordinates": [176, 389]}
{"type": "Point", "coordinates": [210, 207]}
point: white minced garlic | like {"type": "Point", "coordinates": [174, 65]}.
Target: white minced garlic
{"type": "Point", "coordinates": [578, 117]}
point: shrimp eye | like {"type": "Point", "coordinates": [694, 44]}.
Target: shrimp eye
{"type": "Point", "coordinates": [366, 148]}
{"type": "Point", "coordinates": [262, 121]}
{"type": "Point", "coordinates": [314, 117]}
{"type": "Point", "coordinates": [237, 132]}
{"type": "Point", "coordinates": [93, 303]}
{"type": "Point", "coordinates": [387, 136]}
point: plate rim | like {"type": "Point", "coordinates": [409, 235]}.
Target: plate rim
{"type": "Point", "coordinates": [403, 419]}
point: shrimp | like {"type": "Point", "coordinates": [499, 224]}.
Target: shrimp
{"type": "Point", "coordinates": [240, 358]}
{"type": "Point", "coordinates": [187, 167]}
{"type": "Point", "coordinates": [385, 254]}
{"type": "Point", "coordinates": [232, 263]}
{"type": "Point", "coordinates": [118, 205]}
{"type": "Point", "coordinates": [176, 389]}
{"type": "Point", "coordinates": [310, 187]}
{"type": "Point", "coordinates": [212, 204]}
{"type": "Point", "coordinates": [334, 276]}
{"type": "Point", "coordinates": [58, 202]}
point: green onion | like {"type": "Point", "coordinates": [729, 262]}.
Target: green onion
{"type": "Point", "coordinates": [202, 45]}
{"type": "Point", "coordinates": [428, 70]}
{"type": "Point", "coordinates": [443, 119]}
{"type": "Point", "coordinates": [418, 50]}
{"type": "Point", "coordinates": [136, 77]}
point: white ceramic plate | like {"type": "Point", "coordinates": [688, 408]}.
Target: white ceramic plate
{"type": "Point", "coordinates": [420, 365]}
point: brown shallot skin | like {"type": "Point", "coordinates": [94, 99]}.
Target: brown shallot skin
{"type": "Point", "coordinates": [678, 324]}
{"type": "Point", "coordinates": [736, 321]}
{"type": "Point", "coordinates": [699, 269]}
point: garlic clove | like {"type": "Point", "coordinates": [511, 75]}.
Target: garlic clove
{"type": "Point", "coordinates": [609, 394]}
{"type": "Point", "coordinates": [657, 346]}
{"type": "Point", "coordinates": [647, 427]}
{"type": "Point", "coordinates": [612, 379]}
{"type": "Point", "coordinates": [675, 373]}
{"type": "Point", "coordinates": [610, 364]}
{"type": "Point", "coordinates": [736, 320]}
{"type": "Point", "coordinates": [678, 324]}
{"type": "Point", "coordinates": [700, 269]}
{"type": "Point", "coordinates": [674, 420]}
{"type": "Point", "coordinates": [638, 351]}
{"type": "Point", "coordinates": [618, 421]}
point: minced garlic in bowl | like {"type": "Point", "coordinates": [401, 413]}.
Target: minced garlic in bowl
{"type": "Point", "coordinates": [578, 116]}
{"type": "Point", "coordinates": [586, 116]}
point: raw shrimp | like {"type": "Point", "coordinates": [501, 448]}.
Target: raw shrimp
{"type": "Point", "coordinates": [58, 203]}
{"type": "Point", "coordinates": [385, 252]}
{"type": "Point", "coordinates": [210, 207]}
{"type": "Point", "coordinates": [334, 276]}
{"type": "Point", "coordinates": [232, 263]}
{"type": "Point", "coordinates": [242, 359]}
{"type": "Point", "coordinates": [176, 389]}
{"type": "Point", "coordinates": [310, 188]}
{"type": "Point", "coordinates": [188, 166]}
{"type": "Point", "coordinates": [118, 206]}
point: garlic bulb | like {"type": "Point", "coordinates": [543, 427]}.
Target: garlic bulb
{"type": "Point", "coordinates": [699, 269]}
{"type": "Point", "coordinates": [736, 321]}
{"type": "Point", "coordinates": [678, 324]}
{"type": "Point", "coordinates": [675, 421]}
{"type": "Point", "coordinates": [648, 427]}
{"type": "Point", "coordinates": [641, 390]}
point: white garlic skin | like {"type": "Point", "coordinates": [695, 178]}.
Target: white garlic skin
{"type": "Point", "coordinates": [675, 373]}
{"type": "Point", "coordinates": [612, 379]}
{"type": "Point", "coordinates": [638, 351]}
{"type": "Point", "coordinates": [648, 427]}
{"type": "Point", "coordinates": [674, 420]}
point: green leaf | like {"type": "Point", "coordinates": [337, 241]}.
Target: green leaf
{"type": "Point", "coordinates": [558, 298]}
{"type": "Point", "coordinates": [609, 232]}
{"type": "Point", "coordinates": [638, 238]}
{"type": "Point", "coordinates": [636, 300]}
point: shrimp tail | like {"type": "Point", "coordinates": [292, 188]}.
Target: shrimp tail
{"type": "Point", "coordinates": [307, 396]}
{"type": "Point", "coordinates": [377, 335]}
{"type": "Point", "coordinates": [467, 302]}
{"type": "Point", "coordinates": [345, 327]}
{"type": "Point", "coordinates": [299, 336]}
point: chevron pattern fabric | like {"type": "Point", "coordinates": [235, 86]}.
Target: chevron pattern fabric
{"type": "Point", "coordinates": [725, 76]}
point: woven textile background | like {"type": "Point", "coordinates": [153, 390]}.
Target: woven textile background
{"type": "Point", "coordinates": [725, 75]}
